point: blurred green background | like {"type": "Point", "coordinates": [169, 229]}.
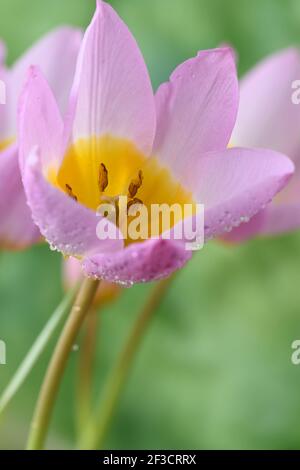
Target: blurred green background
{"type": "Point", "coordinates": [215, 369]}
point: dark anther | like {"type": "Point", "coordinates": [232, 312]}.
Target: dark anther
{"type": "Point", "coordinates": [103, 178]}
{"type": "Point", "coordinates": [135, 185]}
{"type": "Point", "coordinates": [70, 192]}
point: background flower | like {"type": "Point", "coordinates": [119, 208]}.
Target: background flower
{"type": "Point", "coordinates": [269, 117]}
{"type": "Point", "coordinates": [56, 54]}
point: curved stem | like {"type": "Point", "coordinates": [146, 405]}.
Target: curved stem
{"type": "Point", "coordinates": [85, 373]}
{"type": "Point", "coordinates": [49, 389]}
{"type": "Point", "coordinates": [97, 428]}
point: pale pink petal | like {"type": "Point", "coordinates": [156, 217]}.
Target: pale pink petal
{"type": "Point", "coordinates": [71, 272]}
{"type": "Point", "coordinates": [40, 122]}
{"type": "Point", "coordinates": [17, 229]}
{"type": "Point", "coordinates": [140, 262]}
{"type": "Point", "coordinates": [273, 220]}
{"type": "Point", "coordinates": [5, 111]}
{"type": "Point", "coordinates": [3, 53]}
{"type": "Point", "coordinates": [236, 184]}
{"type": "Point", "coordinates": [112, 92]}
{"type": "Point", "coordinates": [281, 218]}
{"type": "Point", "coordinates": [196, 109]}
{"type": "Point", "coordinates": [248, 230]}
{"type": "Point", "coordinates": [290, 196]}
{"type": "Point", "coordinates": [267, 116]}
{"type": "Point", "coordinates": [56, 55]}
{"type": "Point", "coordinates": [68, 226]}
{"type": "Point", "coordinates": [5, 79]}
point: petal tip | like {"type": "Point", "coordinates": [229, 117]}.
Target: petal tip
{"type": "Point", "coordinates": [291, 166]}
{"type": "Point", "coordinates": [100, 7]}
{"type": "Point", "coordinates": [224, 51]}
{"type": "Point", "coordinates": [224, 56]}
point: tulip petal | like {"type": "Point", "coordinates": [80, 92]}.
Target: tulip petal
{"type": "Point", "coordinates": [5, 109]}
{"type": "Point", "coordinates": [3, 53]}
{"type": "Point", "coordinates": [40, 122]}
{"type": "Point", "coordinates": [267, 116]}
{"type": "Point", "coordinates": [68, 226]}
{"type": "Point", "coordinates": [140, 262]}
{"type": "Point", "coordinates": [112, 92]}
{"type": "Point", "coordinates": [290, 196]}
{"type": "Point", "coordinates": [196, 109]}
{"type": "Point", "coordinates": [281, 218]}
{"type": "Point", "coordinates": [248, 230]}
{"type": "Point", "coordinates": [236, 184]}
{"type": "Point", "coordinates": [273, 220]}
{"type": "Point", "coordinates": [59, 70]}
{"type": "Point", "coordinates": [17, 229]}
{"type": "Point", "coordinates": [271, 120]}
{"type": "Point", "coordinates": [56, 55]}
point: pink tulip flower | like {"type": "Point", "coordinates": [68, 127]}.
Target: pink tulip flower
{"type": "Point", "coordinates": [269, 116]}
{"type": "Point", "coordinates": [56, 55]}
{"type": "Point", "coordinates": [119, 138]}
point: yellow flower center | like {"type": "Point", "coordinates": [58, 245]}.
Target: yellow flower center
{"type": "Point", "coordinates": [98, 170]}
{"type": "Point", "coordinates": [4, 144]}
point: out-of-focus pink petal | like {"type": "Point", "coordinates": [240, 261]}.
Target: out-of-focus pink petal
{"type": "Point", "coordinates": [40, 122]}
{"type": "Point", "coordinates": [5, 132]}
{"type": "Point", "coordinates": [112, 92]}
{"type": "Point", "coordinates": [236, 184]}
{"type": "Point", "coordinates": [141, 262]}
{"type": "Point", "coordinates": [68, 226]}
{"type": "Point", "coordinates": [281, 218]}
{"type": "Point", "coordinates": [56, 55]}
{"type": "Point", "coordinates": [290, 196]}
{"type": "Point", "coordinates": [273, 220]}
{"type": "Point", "coordinates": [72, 273]}
{"type": "Point", "coordinates": [267, 116]}
{"type": "Point", "coordinates": [196, 109]}
{"type": "Point", "coordinates": [3, 53]}
{"type": "Point", "coordinates": [17, 229]}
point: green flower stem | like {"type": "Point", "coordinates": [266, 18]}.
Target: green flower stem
{"type": "Point", "coordinates": [85, 372]}
{"type": "Point", "coordinates": [98, 426]}
{"type": "Point", "coordinates": [54, 374]}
